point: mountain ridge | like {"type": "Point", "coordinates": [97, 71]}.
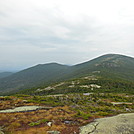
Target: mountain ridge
{"type": "Point", "coordinates": [113, 66]}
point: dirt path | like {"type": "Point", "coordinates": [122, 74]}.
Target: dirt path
{"type": "Point", "coordinates": [120, 124]}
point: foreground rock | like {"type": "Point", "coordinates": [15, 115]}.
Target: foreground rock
{"type": "Point", "coordinates": [24, 109]}
{"type": "Point", "coordinates": [1, 132]}
{"type": "Point", "coordinates": [120, 124]}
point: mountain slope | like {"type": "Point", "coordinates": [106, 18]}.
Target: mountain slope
{"type": "Point", "coordinates": [110, 66]}
{"type": "Point", "coordinates": [32, 77]}
{"type": "Point", "coordinates": [87, 84]}
{"type": "Point", "coordinates": [5, 74]}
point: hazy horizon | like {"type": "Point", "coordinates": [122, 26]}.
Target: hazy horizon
{"type": "Point", "coordinates": [25, 67]}
{"type": "Point", "coordinates": [67, 32]}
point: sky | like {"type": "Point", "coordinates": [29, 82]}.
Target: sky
{"type": "Point", "coordinates": [64, 31]}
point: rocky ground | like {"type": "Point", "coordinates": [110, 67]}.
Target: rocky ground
{"type": "Point", "coordinates": [24, 109]}
{"type": "Point", "coordinates": [65, 114]}
{"type": "Point", "coordinates": [120, 124]}
{"type": "Point", "coordinates": [1, 132]}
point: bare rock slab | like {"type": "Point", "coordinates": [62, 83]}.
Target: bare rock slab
{"type": "Point", "coordinates": [120, 124]}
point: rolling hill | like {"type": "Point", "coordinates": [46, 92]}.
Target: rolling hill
{"type": "Point", "coordinates": [111, 67]}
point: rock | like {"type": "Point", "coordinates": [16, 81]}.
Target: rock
{"type": "Point", "coordinates": [120, 124]}
{"type": "Point", "coordinates": [24, 109]}
{"type": "Point", "coordinates": [49, 124]}
{"type": "Point", "coordinates": [70, 122]}
{"type": "Point", "coordinates": [1, 132]}
{"type": "Point", "coordinates": [53, 132]}
{"type": "Point", "coordinates": [86, 94]}
{"type": "Point", "coordinates": [88, 128]}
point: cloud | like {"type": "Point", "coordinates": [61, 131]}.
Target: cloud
{"type": "Point", "coordinates": [68, 32]}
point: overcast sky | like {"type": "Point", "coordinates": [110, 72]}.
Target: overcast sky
{"type": "Point", "coordinates": [64, 31]}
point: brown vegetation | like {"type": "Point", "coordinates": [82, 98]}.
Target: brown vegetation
{"type": "Point", "coordinates": [69, 112]}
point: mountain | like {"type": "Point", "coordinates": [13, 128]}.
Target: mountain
{"type": "Point", "coordinates": [31, 77]}
{"type": "Point", "coordinates": [5, 74]}
{"type": "Point", "coordinates": [112, 67]}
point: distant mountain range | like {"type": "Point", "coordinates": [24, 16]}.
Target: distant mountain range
{"type": "Point", "coordinates": [110, 66]}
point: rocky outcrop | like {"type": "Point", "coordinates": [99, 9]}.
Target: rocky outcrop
{"type": "Point", "coordinates": [24, 109]}
{"type": "Point", "coordinates": [1, 130]}
{"type": "Point", "coordinates": [120, 124]}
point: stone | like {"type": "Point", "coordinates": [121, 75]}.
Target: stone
{"type": "Point", "coordinates": [53, 132]}
{"type": "Point", "coordinates": [49, 124]}
{"type": "Point", "coordinates": [120, 124]}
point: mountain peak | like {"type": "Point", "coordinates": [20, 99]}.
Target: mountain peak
{"type": "Point", "coordinates": [114, 60]}
{"type": "Point", "coordinates": [51, 64]}
{"type": "Point", "coordinates": [112, 55]}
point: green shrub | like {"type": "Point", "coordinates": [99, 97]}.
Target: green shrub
{"type": "Point", "coordinates": [34, 123]}
{"type": "Point", "coordinates": [83, 115]}
{"type": "Point", "coordinates": [38, 122]}
{"type": "Point", "coordinates": [44, 120]}
{"type": "Point", "coordinates": [7, 98]}
{"type": "Point", "coordinates": [103, 113]}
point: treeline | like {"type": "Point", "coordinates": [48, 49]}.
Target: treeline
{"type": "Point", "coordinates": [106, 86]}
